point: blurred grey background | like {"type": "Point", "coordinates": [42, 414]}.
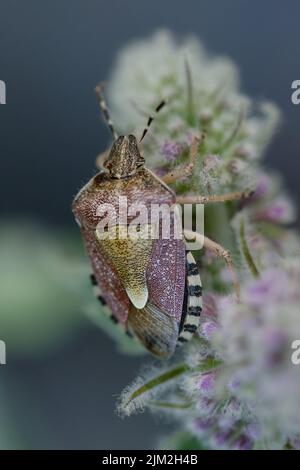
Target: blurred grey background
{"type": "Point", "coordinates": [51, 56]}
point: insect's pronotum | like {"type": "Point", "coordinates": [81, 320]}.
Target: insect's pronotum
{"type": "Point", "coordinates": [151, 287]}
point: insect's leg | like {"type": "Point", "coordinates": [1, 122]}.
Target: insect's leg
{"type": "Point", "coordinates": [197, 199]}
{"type": "Point", "coordinates": [218, 251]}
{"type": "Point", "coordinates": [100, 159]}
{"type": "Point", "coordinates": [186, 170]}
{"type": "Point", "coordinates": [104, 109]}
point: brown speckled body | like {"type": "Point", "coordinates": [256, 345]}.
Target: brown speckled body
{"type": "Point", "coordinates": [143, 187]}
{"type": "Point", "coordinates": [164, 262]}
{"type": "Point", "coordinates": [150, 284]}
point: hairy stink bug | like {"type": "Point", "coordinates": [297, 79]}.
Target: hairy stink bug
{"type": "Point", "coordinates": [151, 285]}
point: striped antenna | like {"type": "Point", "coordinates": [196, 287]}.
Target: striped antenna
{"type": "Point", "coordinates": [151, 118]}
{"type": "Point", "coordinates": [104, 109]}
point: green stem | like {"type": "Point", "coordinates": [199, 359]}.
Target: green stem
{"type": "Point", "coordinates": [246, 251]}
{"type": "Point", "coordinates": [171, 374]}
{"type": "Point", "coordinates": [208, 365]}
{"type": "Point", "coordinates": [190, 104]}
{"type": "Point", "coordinates": [160, 379]}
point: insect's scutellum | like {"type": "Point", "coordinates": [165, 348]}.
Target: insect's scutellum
{"type": "Point", "coordinates": [151, 287]}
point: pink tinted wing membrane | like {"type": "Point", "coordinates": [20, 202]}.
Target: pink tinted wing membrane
{"type": "Point", "coordinates": [111, 288]}
{"type": "Point", "coordinates": [166, 276]}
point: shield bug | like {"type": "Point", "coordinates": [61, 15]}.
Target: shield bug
{"type": "Point", "coordinates": [149, 284]}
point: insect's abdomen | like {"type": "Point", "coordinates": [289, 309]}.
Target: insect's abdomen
{"type": "Point", "coordinates": [192, 305]}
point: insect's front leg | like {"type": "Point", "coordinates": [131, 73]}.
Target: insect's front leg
{"type": "Point", "coordinates": [218, 251]}
{"type": "Point", "coordinates": [188, 169]}
{"type": "Point", "coordinates": [198, 199]}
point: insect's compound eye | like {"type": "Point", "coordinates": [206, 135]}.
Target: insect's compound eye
{"type": "Point", "coordinates": [107, 164]}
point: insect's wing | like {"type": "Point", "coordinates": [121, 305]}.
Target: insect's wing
{"type": "Point", "coordinates": [130, 257]}
{"type": "Point", "coordinates": [175, 300]}
{"type": "Point", "coordinates": [157, 324]}
{"type": "Point", "coordinates": [166, 276]}
{"type": "Point", "coordinates": [107, 279]}
{"type": "Point", "coordinates": [157, 331]}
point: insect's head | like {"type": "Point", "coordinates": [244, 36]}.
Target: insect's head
{"type": "Point", "coordinates": [124, 158]}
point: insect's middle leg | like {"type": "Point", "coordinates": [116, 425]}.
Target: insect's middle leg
{"type": "Point", "coordinates": [198, 199]}
{"type": "Point", "coordinates": [218, 251]}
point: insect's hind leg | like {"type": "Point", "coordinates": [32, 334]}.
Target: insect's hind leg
{"type": "Point", "coordinates": [218, 251]}
{"type": "Point", "coordinates": [193, 299]}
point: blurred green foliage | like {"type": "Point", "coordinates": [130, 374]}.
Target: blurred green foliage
{"type": "Point", "coordinates": [43, 280]}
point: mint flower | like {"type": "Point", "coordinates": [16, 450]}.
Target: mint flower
{"type": "Point", "coordinates": [204, 96]}
{"type": "Point", "coordinates": [171, 150]}
{"type": "Point", "coordinates": [238, 389]}
{"type": "Point", "coordinates": [254, 340]}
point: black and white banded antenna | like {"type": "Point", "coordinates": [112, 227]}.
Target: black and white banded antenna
{"type": "Point", "coordinates": [102, 103]}
{"type": "Point", "coordinates": [152, 117]}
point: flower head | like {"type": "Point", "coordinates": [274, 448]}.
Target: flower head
{"type": "Point", "coordinates": [234, 386]}
{"type": "Point", "coordinates": [203, 96]}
